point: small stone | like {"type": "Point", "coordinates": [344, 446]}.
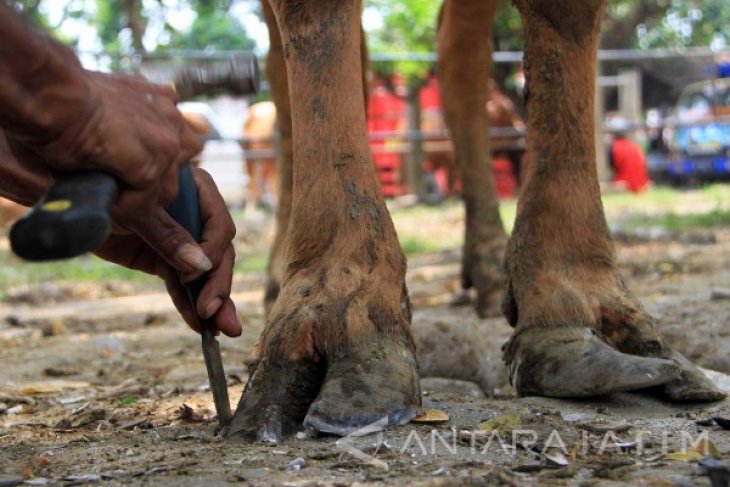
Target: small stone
{"type": "Point", "coordinates": [719, 294]}
{"type": "Point", "coordinates": [296, 464]}
{"type": "Point", "coordinates": [37, 481]}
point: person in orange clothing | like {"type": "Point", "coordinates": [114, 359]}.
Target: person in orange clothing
{"type": "Point", "coordinates": [627, 160]}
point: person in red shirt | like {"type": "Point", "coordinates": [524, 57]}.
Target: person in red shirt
{"type": "Point", "coordinates": [628, 162]}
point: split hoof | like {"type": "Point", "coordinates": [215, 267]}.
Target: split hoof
{"type": "Point", "coordinates": [370, 385]}
{"type": "Point", "coordinates": [276, 399]}
{"type": "Point", "coordinates": [573, 362]}
{"type": "Point", "coordinates": [692, 385]}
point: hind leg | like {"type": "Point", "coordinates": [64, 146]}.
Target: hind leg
{"type": "Point", "coordinates": [464, 65]}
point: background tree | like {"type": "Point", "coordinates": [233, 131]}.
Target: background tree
{"type": "Point", "coordinates": [409, 26]}
{"type": "Point", "coordinates": [212, 29]}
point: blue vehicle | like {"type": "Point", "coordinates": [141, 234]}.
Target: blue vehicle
{"type": "Point", "coordinates": [701, 142]}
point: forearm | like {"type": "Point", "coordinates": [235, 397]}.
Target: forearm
{"type": "Point", "coordinates": [42, 83]}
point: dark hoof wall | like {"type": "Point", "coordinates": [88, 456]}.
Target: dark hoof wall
{"type": "Point", "coordinates": [573, 362]}
{"type": "Point", "coordinates": [276, 399]}
{"type": "Point", "coordinates": [692, 385]}
{"type": "Point", "coordinates": [370, 386]}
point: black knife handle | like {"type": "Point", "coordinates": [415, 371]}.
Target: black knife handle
{"type": "Point", "coordinates": [72, 219]}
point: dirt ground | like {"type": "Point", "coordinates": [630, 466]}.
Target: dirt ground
{"type": "Point", "coordinates": [106, 385]}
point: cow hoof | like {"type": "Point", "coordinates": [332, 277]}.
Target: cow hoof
{"type": "Point", "coordinates": [574, 362]}
{"type": "Point", "coordinates": [370, 385]}
{"type": "Point", "coordinates": [461, 298]}
{"type": "Point", "coordinates": [488, 303]}
{"type": "Point", "coordinates": [692, 385]}
{"type": "Point", "coordinates": [276, 399]}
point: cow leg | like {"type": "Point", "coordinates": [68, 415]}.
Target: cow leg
{"type": "Point", "coordinates": [279, 86]}
{"type": "Point", "coordinates": [578, 330]}
{"type": "Point", "coordinates": [337, 352]}
{"type": "Point", "coordinates": [464, 65]}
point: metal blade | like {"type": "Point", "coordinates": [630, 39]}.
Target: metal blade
{"type": "Point", "coordinates": [216, 375]}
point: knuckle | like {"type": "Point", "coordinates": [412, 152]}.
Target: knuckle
{"type": "Point", "coordinates": [229, 230]}
{"type": "Point", "coordinates": [150, 174]}
{"type": "Point", "coordinates": [167, 91]}
{"type": "Point", "coordinates": [168, 145]}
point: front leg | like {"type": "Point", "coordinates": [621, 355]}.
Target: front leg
{"type": "Point", "coordinates": [337, 352]}
{"type": "Point", "coordinates": [578, 330]}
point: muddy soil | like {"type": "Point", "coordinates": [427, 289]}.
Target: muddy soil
{"type": "Point", "coordinates": [111, 389]}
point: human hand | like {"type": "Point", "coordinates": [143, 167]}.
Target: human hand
{"type": "Point", "coordinates": [134, 132]}
{"type": "Point", "coordinates": [54, 111]}
{"type": "Point", "coordinates": [136, 252]}
{"type": "Point", "coordinates": [21, 182]}
{"type": "Point", "coordinates": [124, 126]}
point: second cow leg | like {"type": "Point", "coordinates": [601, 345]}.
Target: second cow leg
{"type": "Point", "coordinates": [276, 74]}
{"type": "Point", "coordinates": [464, 64]}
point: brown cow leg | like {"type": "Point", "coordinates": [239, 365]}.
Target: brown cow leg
{"type": "Point", "coordinates": [337, 352]}
{"type": "Point", "coordinates": [578, 330]}
{"type": "Point", "coordinates": [464, 64]}
{"type": "Point", "coordinates": [276, 74]}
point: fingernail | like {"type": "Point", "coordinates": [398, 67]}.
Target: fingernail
{"type": "Point", "coordinates": [194, 256]}
{"type": "Point", "coordinates": [212, 307]}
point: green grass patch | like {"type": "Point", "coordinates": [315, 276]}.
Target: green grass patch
{"type": "Point", "coordinates": [14, 271]}
{"type": "Point", "coordinates": [659, 196]}
{"type": "Point", "coordinates": [415, 245]}
{"type": "Point", "coordinates": [254, 260]}
{"type": "Point", "coordinates": [127, 401]}
{"type": "Point", "coordinates": [673, 222]}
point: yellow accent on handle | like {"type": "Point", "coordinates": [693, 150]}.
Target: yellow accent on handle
{"type": "Point", "coordinates": [56, 206]}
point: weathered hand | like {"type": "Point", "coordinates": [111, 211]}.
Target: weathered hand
{"type": "Point", "coordinates": [124, 126]}
{"type": "Point", "coordinates": [54, 111]}
{"type": "Point", "coordinates": [157, 237]}
{"type": "Point", "coordinates": [132, 130]}
{"type": "Point", "coordinates": [22, 181]}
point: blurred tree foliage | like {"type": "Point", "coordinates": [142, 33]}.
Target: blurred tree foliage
{"type": "Point", "coordinates": [32, 9]}
{"type": "Point", "coordinates": [214, 30]}
{"type": "Point", "coordinates": [122, 25]}
{"type": "Point", "coordinates": [409, 26]}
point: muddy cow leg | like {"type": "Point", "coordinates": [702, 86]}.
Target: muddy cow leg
{"type": "Point", "coordinates": [464, 66]}
{"type": "Point", "coordinates": [276, 74]}
{"type": "Point", "coordinates": [337, 352]}
{"type": "Point", "coordinates": [578, 330]}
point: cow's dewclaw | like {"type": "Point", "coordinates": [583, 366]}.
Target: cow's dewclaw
{"type": "Point", "coordinates": [573, 362]}
{"type": "Point", "coordinates": [371, 384]}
